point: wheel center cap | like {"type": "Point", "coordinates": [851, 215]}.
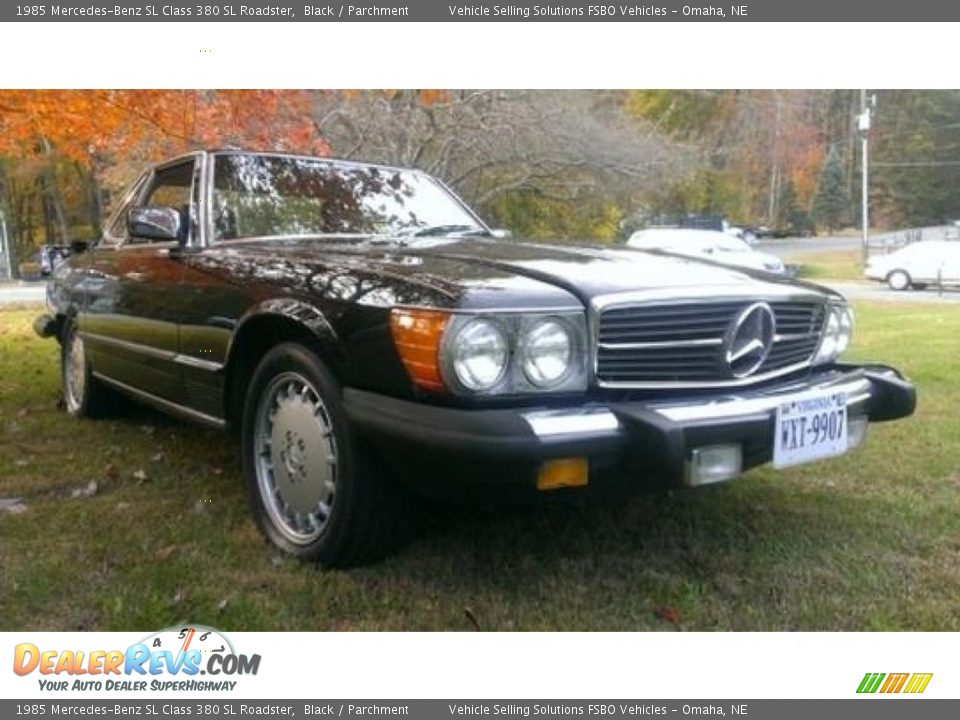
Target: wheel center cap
{"type": "Point", "coordinates": [293, 455]}
{"type": "Point", "coordinates": [299, 452]}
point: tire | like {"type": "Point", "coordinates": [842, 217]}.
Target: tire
{"type": "Point", "coordinates": [315, 492]}
{"type": "Point", "coordinates": [83, 395]}
{"type": "Point", "coordinates": [898, 280]}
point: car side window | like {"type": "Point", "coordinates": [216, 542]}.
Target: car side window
{"type": "Point", "coordinates": [172, 186]}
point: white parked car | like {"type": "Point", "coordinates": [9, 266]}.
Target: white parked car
{"type": "Point", "coordinates": [708, 245]}
{"type": "Point", "coordinates": [917, 265]}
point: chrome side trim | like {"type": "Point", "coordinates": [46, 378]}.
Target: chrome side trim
{"type": "Point", "coordinates": [585, 421]}
{"type": "Point", "coordinates": [195, 362]}
{"type": "Point", "coordinates": [167, 355]}
{"type": "Point", "coordinates": [165, 405]}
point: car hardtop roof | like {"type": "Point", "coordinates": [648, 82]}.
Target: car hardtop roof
{"type": "Point", "coordinates": [302, 156]}
{"type": "Point", "coordinates": [692, 234]}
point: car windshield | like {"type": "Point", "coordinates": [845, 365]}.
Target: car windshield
{"type": "Point", "coordinates": [688, 241]}
{"type": "Point", "coordinates": [267, 195]}
{"type": "Point", "coordinates": [731, 244]}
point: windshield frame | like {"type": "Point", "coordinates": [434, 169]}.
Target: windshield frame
{"type": "Point", "coordinates": [212, 241]}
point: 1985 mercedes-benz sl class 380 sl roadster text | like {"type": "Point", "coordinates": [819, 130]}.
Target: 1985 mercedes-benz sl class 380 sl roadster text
{"type": "Point", "coordinates": [367, 336]}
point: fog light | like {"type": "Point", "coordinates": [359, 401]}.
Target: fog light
{"type": "Point", "coordinates": [566, 472]}
{"type": "Point", "coordinates": [856, 431]}
{"type": "Point", "coordinates": [713, 463]}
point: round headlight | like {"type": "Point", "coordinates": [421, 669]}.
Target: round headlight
{"type": "Point", "coordinates": [846, 330]}
{"type": "Point", "coordinates": [546, 350]}
{"type": "Point", "coordinates": [480, 354]}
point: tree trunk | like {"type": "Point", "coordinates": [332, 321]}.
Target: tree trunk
{"type": "Point", "coordinates": [8, 227]}
{"type": "Point", "coordinates": [95, 205]}
{"type": "Point", "coordinates": [54, 201]}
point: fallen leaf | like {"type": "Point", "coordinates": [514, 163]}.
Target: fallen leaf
{"type": "Point", "coordinates": [165, 553]}
{"type": "Point", "coordinates": [221, 606]}
{"type": "Point", "coordinates": [140, 476]}
{"type": "Point", "coordinates": [22, 412]}
{"type": "Point", "coordinates": [112, 472]}
{"type": "Point", "coordinates": [157, 457]}
{"type": "Point", "coordinates": [179, 596]}
{"type": "Point", "coordinates": [668, 614]}
{"type": "Point", "coordinates": [12, 505]}
{"type": "Point", "coordinates": [85, 491]}
{"type": "Point", "coordinates": [21, 463]}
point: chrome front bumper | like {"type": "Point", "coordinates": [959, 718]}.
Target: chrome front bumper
{"type": "Point", "coordinates": [596, 419]}
{"type": "Point", "coordinates": [648, 442]}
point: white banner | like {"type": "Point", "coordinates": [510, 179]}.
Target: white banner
{"type": "Point", "coordinates": [474, 665]}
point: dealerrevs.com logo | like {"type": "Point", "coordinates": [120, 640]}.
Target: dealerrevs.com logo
{"type": "Point", "coordinates": [181, 659]}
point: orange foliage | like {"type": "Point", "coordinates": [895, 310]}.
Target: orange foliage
{"type": "Point", "coordinates": [91, 126]}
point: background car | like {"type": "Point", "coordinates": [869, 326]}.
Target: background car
{"type": "Point", "coordinates": [917, 265]}
{"type": "Point", "coordinates": [709, 245]}
{"type": "Point", "coordinates": [50, 256]}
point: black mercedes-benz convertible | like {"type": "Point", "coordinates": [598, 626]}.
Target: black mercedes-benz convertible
{"type": "Point", "coordinates": [369, 338]}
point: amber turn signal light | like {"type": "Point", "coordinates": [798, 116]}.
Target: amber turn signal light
{"type": "Point", "coordinates": [565, 472]}
{"type": "Point", "coordinates": [416, 335]}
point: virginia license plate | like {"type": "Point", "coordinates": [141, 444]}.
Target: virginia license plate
{"type": "Point", "coordinates": [810, 427]}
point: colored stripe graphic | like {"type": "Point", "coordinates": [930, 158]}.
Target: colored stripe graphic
{"type": "Point", "coordinates": [918, 682]}
{"type": "Point", "coordinates": [894, 683]}
{"type": "Point", "coordinates": [870, 682]}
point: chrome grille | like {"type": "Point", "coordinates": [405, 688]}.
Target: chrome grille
{"type": "Point", "coordinates": [652, 344]}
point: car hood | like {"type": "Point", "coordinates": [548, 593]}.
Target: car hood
{"type": "Point", "coordinates": [478, 272]}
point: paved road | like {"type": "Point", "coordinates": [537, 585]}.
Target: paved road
{"type": "Point", "coordinates": [25, 293]}
{"type": "Point", "coordinates": [877, 291]}
{"type": "Point", "coordinates": [788, 247]}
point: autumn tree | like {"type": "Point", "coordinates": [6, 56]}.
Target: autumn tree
{"type": "Point", "coordinates": [546, 163]}
{"type": "Point", "coordinates": [58, 141]}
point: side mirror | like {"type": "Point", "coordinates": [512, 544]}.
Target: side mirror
{"type": "Point", "coordinates": [154, 222]}
{"type": "Point", "coordinates": [501, 234]}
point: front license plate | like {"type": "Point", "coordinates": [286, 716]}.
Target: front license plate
{"type": "Point", "coordinates": [810, 427]}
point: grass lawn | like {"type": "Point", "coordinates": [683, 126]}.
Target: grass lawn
{"type": "Point", "coordinates": [869, 541]}
{"type": "Point", "coordinates": [834, 265]}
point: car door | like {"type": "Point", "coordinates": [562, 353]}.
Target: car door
{"type": "Point", "coordinates": [131, 320]}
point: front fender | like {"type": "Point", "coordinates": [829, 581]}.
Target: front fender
{"type": "Point", "coordinates": [280, 310]}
